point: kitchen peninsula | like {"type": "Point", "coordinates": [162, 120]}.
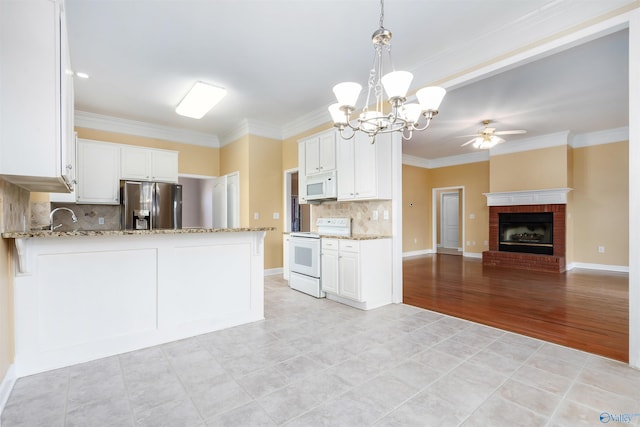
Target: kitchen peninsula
{"type": "Point", "coordinates": [83, 295]}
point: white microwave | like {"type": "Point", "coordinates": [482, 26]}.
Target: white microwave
{"type": "Point", "coordinates": [322, 186]}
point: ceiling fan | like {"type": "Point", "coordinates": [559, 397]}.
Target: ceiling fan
{"type": "Point", "coordinates": [488, 137]}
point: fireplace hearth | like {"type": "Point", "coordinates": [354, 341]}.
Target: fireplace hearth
{"type": "Point", "coordinates": [529, 237]}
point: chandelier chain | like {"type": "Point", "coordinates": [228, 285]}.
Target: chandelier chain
{"type": "Point", "coordinates": [381, 13]}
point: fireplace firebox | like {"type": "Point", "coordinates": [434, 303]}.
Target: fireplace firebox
{"type": "Point", "coordinates": [526, 232]}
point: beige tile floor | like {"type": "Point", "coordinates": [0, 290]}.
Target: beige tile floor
{"type": "Point", "coordinates": [318, 363]}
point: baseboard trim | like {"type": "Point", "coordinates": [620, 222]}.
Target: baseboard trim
{"type": "Point", "coordinates": [472, 255]}
{"type": "Point", "coordinates": [418, 253]}
{"type": "Point", "coordinates": [604, 267]}
{"type": "Point", "coordinates": [6, 386]}
{"type": "Point", "coordinates": [272, 271]}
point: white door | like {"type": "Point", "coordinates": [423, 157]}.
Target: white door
{"type": "Point", "coordinates": [219, 208]}
{"type": "Point", "coordinates": [449, 215]}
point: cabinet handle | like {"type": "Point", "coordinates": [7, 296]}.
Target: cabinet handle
{"type": "Point", "coordinates": [69, 167]}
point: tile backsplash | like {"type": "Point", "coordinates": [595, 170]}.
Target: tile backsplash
{"type": "Point", "coordinates": [14, 207]}
{"type": "Point", "coordinates": [88, 217]}
{"type": "Point", "coordinates": [361, 214]}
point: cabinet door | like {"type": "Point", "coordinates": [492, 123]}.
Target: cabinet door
{"type": "Point", "coordinates": [329, 263]}
{"type": "Point", "coordinates": [135, 163]}
{"type": "Point", "coordinates": [98, 172]}
{"type": "Point", "coordinates": [364, 167]}
{"type": "Point", "coordinates": [327, 154]}
{"type": "Point", "coordinates": [285, 257]}
{"type": "Point", "coordinates": [164, 166]}
{"type": "Point", "coordinates": [348, 276]}
{"type": "Point", "coordinates": [312, 156]}
{"type": "Point", "coordinates": [345, 175]}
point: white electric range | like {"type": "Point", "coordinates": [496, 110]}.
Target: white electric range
{"type": "Point", "coordinates": [304, 254]}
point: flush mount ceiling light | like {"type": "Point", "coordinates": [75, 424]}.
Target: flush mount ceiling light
{"type": "Point", "coordinates": [200, 99]}
{"type": "Point", "coordinates": [403, 118]}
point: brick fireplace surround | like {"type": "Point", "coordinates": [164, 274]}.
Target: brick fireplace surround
{"type": "Point", "coordinates": [555, 263]}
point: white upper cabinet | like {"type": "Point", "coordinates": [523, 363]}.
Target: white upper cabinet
{"type": "Point", "coordinates": [364, 169]}
{"type": "Point", "coordinates": [147, 164]}
{"type": "Point", "coordinates": [36, 103]}
{"type": "Point", "coordinates": [319, 153]}
{"type": "Point", "coordinates": [98, 172]}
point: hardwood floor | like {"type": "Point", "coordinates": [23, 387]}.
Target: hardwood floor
{"type": "Point", "coordinates": [584, 309]}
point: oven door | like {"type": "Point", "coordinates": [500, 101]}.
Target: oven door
{"type": "Point", "coordinates": [304, 256]}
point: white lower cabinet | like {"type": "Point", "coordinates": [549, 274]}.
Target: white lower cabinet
{"type": "Point", "coordinates": [357, 272]}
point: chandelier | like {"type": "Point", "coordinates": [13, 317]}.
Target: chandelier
{"type": "Point", "coordinates": [402, 117]}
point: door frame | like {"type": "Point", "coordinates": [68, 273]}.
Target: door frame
{"type": "Point", "coordinates": [434, 215]}
{"type": "Point", "coordinates": [287, 197]}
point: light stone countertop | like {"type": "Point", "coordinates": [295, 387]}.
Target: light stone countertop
{"type": "Point", "coordinates": [353, 237]}
{"type": "Point", "coordinates": [48, 233]}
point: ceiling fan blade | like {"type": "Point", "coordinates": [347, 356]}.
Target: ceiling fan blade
{"type": "Point", "coordinates": [468, 142]}
{"type": "Point", "coordinates": [511, 132]}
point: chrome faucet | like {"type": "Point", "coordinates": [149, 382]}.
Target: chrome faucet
{"type": "Point", "coordinates": [74, 218]}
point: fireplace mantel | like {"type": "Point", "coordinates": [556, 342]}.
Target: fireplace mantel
{"type": "Point", "coordinates": [551, 196]}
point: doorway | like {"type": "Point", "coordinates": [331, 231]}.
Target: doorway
{"type": "Point", "coordinates": [448, 224]}
{"type": "Point", "coordinates": [297, 216]}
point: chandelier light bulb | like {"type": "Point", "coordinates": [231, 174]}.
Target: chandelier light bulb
{"type": "Point", "coordinates": [337, 115]}
{"type": "Point", "coordinates": [430, 97]}
{"type": "Point", "coordinates": [396, 84]}
{"type": "Point", "coordinates": [347, 93]}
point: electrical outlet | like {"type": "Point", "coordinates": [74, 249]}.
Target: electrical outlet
{"type": "Point", "coordinates": [100, 220]}
{"type": "Point", "coordinates": [385, 215]}
{"type": "Point", "coordinates": [276, 215]}
{"type": "Point", "coordinates": [601, 249]}
{"type": "Point", "coordinates": [375, 215]}
{"type": "Point", "coordinates": [256, 215]}
{"type": "Point", "coordinates": [415, 240]}
{"type": "Point", "coordinates": [472, 216]}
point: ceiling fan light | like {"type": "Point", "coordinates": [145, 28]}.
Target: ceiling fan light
{"type": "Point", "coordinates": [337, 115]}
{"type": "Point", "coordinates": [396, 84]}
{"type": "Point", "coordinates": [347, 93]}
{"type": "Point", "coordinates": [430, 97]}
{"type": "Point", "coordinates": [201, 98]}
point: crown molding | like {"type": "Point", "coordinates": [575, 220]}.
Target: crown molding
{"type": "Point", "coordinates": [308, 121]}
{"type": "Point", "coordinates": [556, 139]}
{"type": "Point", "coordinates": [252, 127]}
{"type": "Point", "coordinates": [88, 120]}
{"type": "Point", "coordinates": [607, 136]}
{"type": "Point", "coordinates": [416, 161]}
{"type": "Point", "coordinates": [462, 159]}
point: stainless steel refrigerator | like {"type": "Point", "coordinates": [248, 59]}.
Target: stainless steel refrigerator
{"type": "Point", "coordinates": [151, 205]}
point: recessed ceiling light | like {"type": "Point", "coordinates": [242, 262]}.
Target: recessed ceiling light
{"type": "Point", "coordinates": [82, 75]}
{"type": "Point", "coordinates": [200, 99]}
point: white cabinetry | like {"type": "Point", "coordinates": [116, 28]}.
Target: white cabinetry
{"type": "Point", "coordinates": [98, 172]}
{"type": "Point", "coordinates": [357, 272]}
{"type": "Point", "coordinates": [36, 104]}
{"type": "Point", "coordinates": [147, 164]}
{"type": "Point", "coordinates": [364, 169]}
{"type": "Point", "coordinates": [319, 153]}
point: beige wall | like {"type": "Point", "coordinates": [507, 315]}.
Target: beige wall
{"type": "Point", "coordinates": [192, 159]}
{"type": "Point", "coordinates": [601, 203]}
{"type": "Point", "coordinates": [530, 170]}
{"type": "Point", "coordinates": [416, 209]}
{"type": "Point", "coordinates": [265, 194]}
{"type": "Point", "coordinates": [474, 177]}
{"type": "Point", "coordinates": [234, 157]}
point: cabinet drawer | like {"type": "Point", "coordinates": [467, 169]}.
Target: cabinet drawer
{"type": "Point", "coordinates": [349, 246]}
{"type": "Point", "coordinates": [330, 244]}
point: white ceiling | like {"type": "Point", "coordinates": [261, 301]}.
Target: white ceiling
{"type": "Point", "coordinates": [279, 59]}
